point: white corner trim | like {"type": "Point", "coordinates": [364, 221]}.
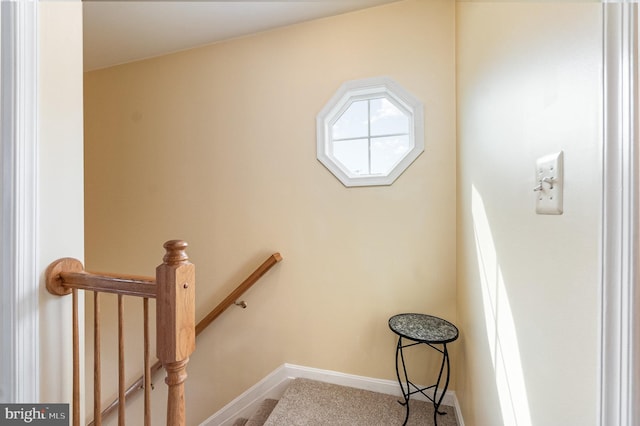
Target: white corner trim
{"type": "Point", "coordinates": [620, 331]}
{"type": "Point", "coordinates": [274, 385]}
{"type": "Point", "coordinates": [20, 290]}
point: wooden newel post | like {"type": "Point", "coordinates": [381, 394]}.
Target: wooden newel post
{"type": "Point", "coordinates": [175, 324]}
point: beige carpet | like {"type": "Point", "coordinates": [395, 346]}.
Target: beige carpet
{"type": "Point", "coordinates": [263, 413]}
{"type": "Point", "coordinates": [311, 403]}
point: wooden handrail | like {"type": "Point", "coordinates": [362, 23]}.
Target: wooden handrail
{"type": "Point", "coordinates": [239, 291]}
{"type": "Point", "coordinates": [65, 274]}
{"type": "Point", "coordinates": [204, 323]}
{"type": "Point", "coordinates": [174, 291]}
{"type": "Point", "coordinates": [103, 283]}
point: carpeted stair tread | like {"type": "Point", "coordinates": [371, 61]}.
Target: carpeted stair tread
{"type": "Point", "coordinates": [261, 416]}
{"type": "Point", "coordinates": [240, 422]}
{"type": "Point", "coordinates": [311, 403]}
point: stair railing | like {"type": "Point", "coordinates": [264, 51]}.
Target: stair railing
{"type": "Point", "coordinates": [231, 299]}
{"type": "Point", "coordinates": [174, 291]}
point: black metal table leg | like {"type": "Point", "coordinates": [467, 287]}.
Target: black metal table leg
{"type": "Point", "coordinates": [438, 401]}
{"type": "Point", "coordinates": [404, 369]}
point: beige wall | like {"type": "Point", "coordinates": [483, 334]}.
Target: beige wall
{"type": "Point", "coordinates": [60, 181]}
{"type": "Point", "coordinates": [216, 145]}
{"type": "Point", "coordinates": [529, 84]}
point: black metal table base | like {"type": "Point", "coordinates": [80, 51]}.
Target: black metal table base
{"type": "Point", "coordinates": [411, 388]}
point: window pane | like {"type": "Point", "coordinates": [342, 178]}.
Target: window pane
{"type": "Point", "coordinates": [387, 152]}
{"type": "Point", "coordinates": [353, 154]}
{"type": "Point", "coordinates": [353, 123]}
{"type": "Point", "coordinates": [387, 119]}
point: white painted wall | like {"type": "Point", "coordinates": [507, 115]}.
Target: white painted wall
{"type": "Point", "coordinates": [217, 145]}
{"type": "Point", "coordinates": [529, 84]}
{"type": "Point", "coordinates": [60, 181]}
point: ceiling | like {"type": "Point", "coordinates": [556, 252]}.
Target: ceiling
{"type": "Point", "coordinates": [116, 32]}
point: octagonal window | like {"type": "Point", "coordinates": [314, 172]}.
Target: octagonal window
{"type": "Point", "coordinates": [370, 132]}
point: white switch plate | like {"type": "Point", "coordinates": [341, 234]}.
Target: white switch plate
{"type": "Point", "coordinates": [550, 183]}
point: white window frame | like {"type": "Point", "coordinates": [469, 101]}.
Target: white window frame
{"type": "Point", "coordinates": [368, 89]}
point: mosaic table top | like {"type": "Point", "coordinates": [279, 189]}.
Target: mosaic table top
{"type": "Point", "coordinates": [423, 328]}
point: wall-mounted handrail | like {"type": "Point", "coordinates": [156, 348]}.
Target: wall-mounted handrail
{"type": "Point", "coordinates": [204, 323]}
{"type": "Point", "coordinates": [239, 291]}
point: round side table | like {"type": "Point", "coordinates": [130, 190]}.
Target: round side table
{"type": "Point", "coordinates": [431, 331]}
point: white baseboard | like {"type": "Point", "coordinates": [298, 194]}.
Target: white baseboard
{"type": "Point", "coordinates": [274, 385]}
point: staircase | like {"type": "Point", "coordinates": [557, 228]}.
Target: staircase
{"type": "Point", "coordinates": [313, 403]}
{"type": "Point", "coordinates": [261, 416]}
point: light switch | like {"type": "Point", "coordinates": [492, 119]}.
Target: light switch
{"type": "Point", "coordinates": [549, 184]}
